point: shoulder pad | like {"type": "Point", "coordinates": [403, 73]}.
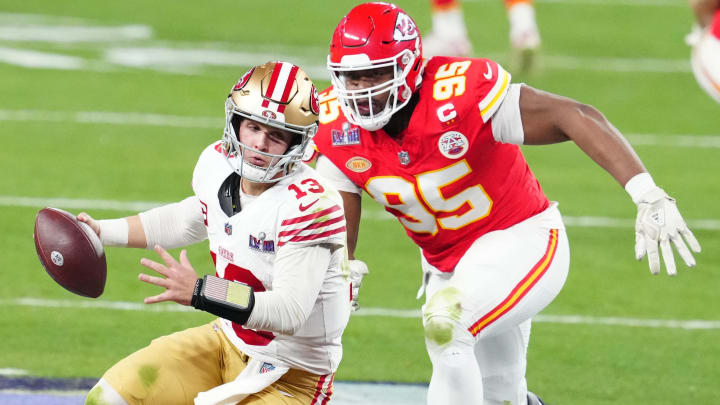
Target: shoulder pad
{"type": "Point", "coordinates": [468, 83]}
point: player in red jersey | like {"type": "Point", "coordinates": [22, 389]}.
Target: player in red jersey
{"type": "Point", "coordinates": [705, 40]}
{"type": "Point", "coordinates": [436, 142]}
{"type": "Point", "coordinates": [449, 34]}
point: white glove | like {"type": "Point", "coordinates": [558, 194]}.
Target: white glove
{"type": "Point", "coordinates": [358, 269]}
{"type": "Point", "coordinates": [658, 223]}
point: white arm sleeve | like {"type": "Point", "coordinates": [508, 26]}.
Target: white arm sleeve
{"type": "Point", "coordinates": [506, 123]}
{"type": "Point", "coordinates": [174, 225]}
{"type": "Point", "coordinates": [335, 177]}
{"type": "Point", "coordinates": [300, 272]}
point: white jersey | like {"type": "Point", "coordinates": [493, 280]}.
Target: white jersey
{"type": "Point", "coordinates": [299, 210]}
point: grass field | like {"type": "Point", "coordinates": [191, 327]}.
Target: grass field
{"type": "Point", "coordinates": [123, 120]}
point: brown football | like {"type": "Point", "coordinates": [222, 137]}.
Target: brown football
{"type": "Point", "coordinates": [71, 252]}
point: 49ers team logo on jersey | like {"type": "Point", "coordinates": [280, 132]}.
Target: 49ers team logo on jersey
{"type": "Point", "coordinates": [405, 29]}
{"type": "Point", "coordinates": [453, 144]}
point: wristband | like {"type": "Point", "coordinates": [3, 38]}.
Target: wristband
{"type": "Point", "coordinates": [227, 299]}
{"type": "Point", "coordinates": [114, 232]}
{"type": "Point", "coordinates": [640, 184]}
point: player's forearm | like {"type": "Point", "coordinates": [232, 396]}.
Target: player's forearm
{"type": "Point", "coordinates": [352, 206]}
{"type": "Point", "coordinates": [548, 118]}
{"type": "Point", "coordinates": [603, 143]}
{"type": "Point", "coordinates": [125, 232]}
{"type": "Point", "coordinates": [300, 273]}
{"type": "Point", "coordinates": [170, 226]}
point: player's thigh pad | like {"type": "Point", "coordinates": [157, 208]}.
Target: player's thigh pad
{"type": "Point", "coordinates": [505, 278]}
{"type": "Point", "coordinates": [174, 368]}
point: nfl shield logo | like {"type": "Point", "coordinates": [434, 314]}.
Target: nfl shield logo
{"type": "Point", "coordinates": [404, 158]}
{"type": "Point", "coordinates": [266, 368]}
{"type": "Point", "coordinates": [228, 228]}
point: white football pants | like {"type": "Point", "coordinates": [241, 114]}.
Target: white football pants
{"type": "Point", "coordinates": [477, 319]}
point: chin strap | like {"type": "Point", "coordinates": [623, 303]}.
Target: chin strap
{"type": "Point", "coordinates": [227, 299]}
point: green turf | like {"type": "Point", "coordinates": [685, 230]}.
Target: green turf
{"type": "Point", "coordinates": [568, 364]}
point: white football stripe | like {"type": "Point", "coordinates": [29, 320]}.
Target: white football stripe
{"type": "Point", "coordinates": [282, 81]}
{"type": "Point", "coordinates": [691, 324]}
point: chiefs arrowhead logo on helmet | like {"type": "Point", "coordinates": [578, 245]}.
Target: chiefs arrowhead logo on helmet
{"type": "Point", "coordinates": [405, 29]}
{"type": "Point", "coordinates": [243, 80]}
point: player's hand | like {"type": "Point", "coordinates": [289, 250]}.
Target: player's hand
{"type": "Point", "coordinates": [658, 223]}
{"type": "Point", "coordinates": [179, 281]}
{"type": "Point", "coordinates": [358, 269]}
{"type": "Point", "coordinates": [86, 218]}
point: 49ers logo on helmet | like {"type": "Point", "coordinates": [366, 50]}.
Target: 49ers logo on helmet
{"type": "Point", "coordinates": [314, 106]}
{"type": "Point", "coordinates": [405, 29]}
{"type": "Point", "coordinates": [243, 80]}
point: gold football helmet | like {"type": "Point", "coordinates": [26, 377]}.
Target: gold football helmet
{"type": "Point", "coordinates": [278, 94]}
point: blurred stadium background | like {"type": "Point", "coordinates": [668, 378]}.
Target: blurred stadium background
{"type": "Point", "coordinates": [105, 106]}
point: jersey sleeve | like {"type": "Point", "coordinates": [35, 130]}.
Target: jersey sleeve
{"type": "Point", "coordinates": [507, 124]}
{"type": "Point", "coordinates": [312, 219]}
{"type": "Point", "coordinates": [493, 85]}
{"type": "Point", "coordinates": [335, 176]}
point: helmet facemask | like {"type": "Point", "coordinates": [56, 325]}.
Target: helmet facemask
{"type": "Point", "coordinates": [401, 64]}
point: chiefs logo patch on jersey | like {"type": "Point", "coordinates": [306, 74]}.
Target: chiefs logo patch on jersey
{"type": "Point", "coordinates": [358, 164]}
{"type": "Point", "coordinates": [405, 29]}
{"type": "Point", "coordinates": [453, 145]}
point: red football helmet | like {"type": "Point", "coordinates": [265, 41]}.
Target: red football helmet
{"type": "Point", "coordinates": [375, 36]}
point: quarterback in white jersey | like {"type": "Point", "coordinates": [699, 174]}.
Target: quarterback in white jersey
{"type": "Point", "coordinates": [277, 237]}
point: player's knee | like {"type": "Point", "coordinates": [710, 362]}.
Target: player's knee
{"type": "Point", "coordinates": [441, 316]}
{"type": "Point", "coordinates": [104, 394]}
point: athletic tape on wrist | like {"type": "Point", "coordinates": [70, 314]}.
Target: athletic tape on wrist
{"type": "Point", "coordinates": [639, 185]}
{"type": "Point", "coordinates": [114, 232]}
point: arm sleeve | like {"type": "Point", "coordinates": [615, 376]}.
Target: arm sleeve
{"type": "Point", "coordinates": [174, 225]}
{"type": "Point", "coordinates": [506, 123]}
{"type": "Point", "coordinates": [335, 177]}
{"type": "Point", "coordinates": [299, 275]}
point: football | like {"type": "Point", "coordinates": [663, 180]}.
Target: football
{"type": "Point", "coordinates": [71, 252]}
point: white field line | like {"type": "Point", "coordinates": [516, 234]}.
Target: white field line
{"type": "Point", "coordinates": [35, 59]}
{"type": "Point", "coordinates": [13, 371]}
{"type": "Point", "coordinates": [372, 215]}
{"type": "Point", "coordinates": [178, 121]}
{"type": "Point", "coordinates": [191, 61]}
{"type": "Point", "coordinates": [23, 32]}
{"type": "Point", "coordinates": [370, 311]}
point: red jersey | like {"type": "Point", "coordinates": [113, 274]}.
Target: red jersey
{"type": "Point", "coordinates": [715, 27]}
{"type": "Point", "coordinates": [448, 181]}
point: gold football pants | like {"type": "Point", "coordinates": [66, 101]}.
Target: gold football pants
{"type": "Point", "coordinates": [173, 369]}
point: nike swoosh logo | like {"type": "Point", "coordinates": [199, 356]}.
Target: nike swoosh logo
{"type": "Point", "coordinates": [305, 207]}
{"type": "Point", "coordinates": [488, 74]}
